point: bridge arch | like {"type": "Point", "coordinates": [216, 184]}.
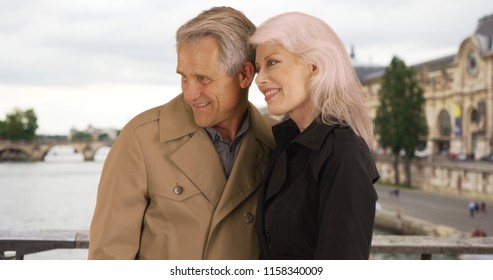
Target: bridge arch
{"type": "Point", "coordinates": [89, 149]}
{"type": "Point", "coordinates": [38, 150]}
{"type": "Point", "coordinates": [52, 149]}
{"type": "Point", "coordinates": [101, 149]}
{"type": "Point", "coordinates": [12, 153]}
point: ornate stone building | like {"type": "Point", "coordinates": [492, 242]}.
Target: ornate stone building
{"type": "Point", "coordinates": [458, 91]}
{"type": "Point", "coordinates": [459, 95]}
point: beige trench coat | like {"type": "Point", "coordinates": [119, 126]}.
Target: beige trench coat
{"type": "Point", "coordinates": [163, 193]}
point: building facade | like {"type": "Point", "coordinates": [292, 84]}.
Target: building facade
{"type": "Point", "coordinates": [458, 91]}
{"type": "Point", "coordinates": [459, 96]}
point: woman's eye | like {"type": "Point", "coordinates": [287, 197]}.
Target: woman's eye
{"type": "Point", "coordinates": [272, 62]}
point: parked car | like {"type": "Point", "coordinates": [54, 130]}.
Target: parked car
{"type": "Point", "coordinates": [487, 158]}
{"type": "Point", "coordinates": [421, 154]}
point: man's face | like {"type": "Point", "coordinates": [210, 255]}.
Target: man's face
{"type": "Point", "coordinates": [215, 98]}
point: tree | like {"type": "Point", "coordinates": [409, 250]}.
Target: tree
{"type": "Point", "coordinates": [3, 130]}
{"type": "Point", "coordinates": [19, 125]}
{"type": "Point", "coordinates": [400, 121]}
{"type": "Point", "coordinates": [81, 136]}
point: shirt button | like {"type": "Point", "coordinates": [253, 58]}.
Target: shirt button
{"type": "Point", "coordinates": [248, 218]}
{"type": "Point", "coordinates": [178, 190]}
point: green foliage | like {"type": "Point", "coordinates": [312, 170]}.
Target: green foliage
{"type": "Point", "coordinates": [3, 130]}
{"type": "Point", "coordinates": [81, 136]}
{"type": "Point", "coordinates": [400, 121]}
{"type": "Point", "coordinates": [103, 136]}
{"type": "Point", "coordinates": [19, 125]}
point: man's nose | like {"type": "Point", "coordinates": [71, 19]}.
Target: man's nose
{"type": "Point", "coordinates": [191, 91]}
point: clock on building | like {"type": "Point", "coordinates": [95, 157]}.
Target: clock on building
{"type": "Point", "coordinates": [472, 63]}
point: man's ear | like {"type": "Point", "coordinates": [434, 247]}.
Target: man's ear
{"type": "Point", "coordinates": [246, 74]}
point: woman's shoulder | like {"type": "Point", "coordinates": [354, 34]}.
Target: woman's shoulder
{"type": "Point", "coordinates": [343, 140]}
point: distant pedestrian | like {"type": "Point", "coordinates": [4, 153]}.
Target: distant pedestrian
{"type": "Point", "coordinates": [394, 192]}
{"type": "Point", "coordinates": [472, 208]}
{"type": "Point", "coordinates": [459, 184]}
{"type": "Point", "coordinates": [478, 232]}
{"type": "Point", "coordinates": [476, 207]}
{"type": "Point", "coordinates": [483, 207]}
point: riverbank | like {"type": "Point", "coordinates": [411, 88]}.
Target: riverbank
{"type": "Point", "coordinates": [407, 225]}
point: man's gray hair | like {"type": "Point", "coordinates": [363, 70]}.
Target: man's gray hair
{"type": "Point", "coordinates": [231, 29]}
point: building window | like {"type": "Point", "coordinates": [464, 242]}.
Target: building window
{"type": "Point", "coordinates": [482, 116]}
{"type": "Point", "coordinates": [444, 123]}
{"type": "Point", "coordinates": [474, 116]}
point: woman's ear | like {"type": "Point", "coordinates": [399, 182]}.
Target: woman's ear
{"type": "Point", "coordinates": [314, 70]}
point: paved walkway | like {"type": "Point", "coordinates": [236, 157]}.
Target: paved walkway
{"type": "Point", "coordinates": [444, 209]}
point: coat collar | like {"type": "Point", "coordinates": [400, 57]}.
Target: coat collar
{"type": "Point", "coordinates": [205, 170]}
{"type": "Point", "coordinates": [177, 111]}
{"type": "Point", "coordinates": [313, 137]}
{"type": "Point", "coordinates": [285, 133]}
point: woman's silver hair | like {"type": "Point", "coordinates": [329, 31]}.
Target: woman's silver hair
{"type": "Point", "coordinates": [335, 91]}
{"type": "Point", "coordinates": [231, 29]}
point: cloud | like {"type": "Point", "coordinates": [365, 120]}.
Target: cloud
{"type": "Point", "coordinates": [55, 42]}
{"type": "Point", "coordinates": [63, 43]}
{"type": "Point", "coordinates": [79, 51]}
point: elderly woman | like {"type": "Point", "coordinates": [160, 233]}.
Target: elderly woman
{"type": "Point", "coordinates": [317, 200]}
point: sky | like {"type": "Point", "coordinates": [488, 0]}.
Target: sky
{"type": "Point", "coordinates": [101, 62]}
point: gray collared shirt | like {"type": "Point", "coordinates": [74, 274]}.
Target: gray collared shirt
{"type": "Point", "coordinates": [227, 150]}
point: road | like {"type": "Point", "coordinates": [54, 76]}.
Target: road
{"type": "Point", "coordinates": [436, 208]}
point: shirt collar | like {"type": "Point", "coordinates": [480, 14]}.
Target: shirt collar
{"type": "Point", "coordinates": [214, 135]}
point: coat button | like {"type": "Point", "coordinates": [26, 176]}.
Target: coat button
{"type": "Point", "coordinates": [178, 190]}
{"type": "Point", "coordinates": [248, 218]}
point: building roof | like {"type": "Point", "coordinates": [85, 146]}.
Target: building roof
{"type": "Point", "coordinates": [485, 27]}
{"type": "Point", "coordinates": [365, 73]}
{"type": "Point", "coordinates": [484, 34]}
{"type": "Point", "coordinates": [437, 63]}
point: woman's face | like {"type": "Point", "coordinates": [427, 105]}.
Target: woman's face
{"type": "Point", "coordinates": [283, 79]}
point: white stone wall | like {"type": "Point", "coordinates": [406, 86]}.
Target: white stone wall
{"type": "Point", "coordinates": [456, 177]}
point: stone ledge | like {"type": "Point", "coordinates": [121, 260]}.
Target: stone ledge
{"type": "Point", "coordinates": [407, 225]}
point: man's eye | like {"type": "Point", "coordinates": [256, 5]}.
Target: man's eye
{"type": "Point", "coordinates": [203, 79]}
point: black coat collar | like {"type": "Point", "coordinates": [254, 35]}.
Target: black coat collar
{"type": "Point", "coordinates": [312, 137]}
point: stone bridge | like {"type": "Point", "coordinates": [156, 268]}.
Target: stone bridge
{"type": "Point", "coordinates": [37, 150]}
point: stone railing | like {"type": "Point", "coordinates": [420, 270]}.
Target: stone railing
{"type": "Point", "coordinates": [15, 245]}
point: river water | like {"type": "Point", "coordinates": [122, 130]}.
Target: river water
{"type": "Point", "coordinates": [60, 193]}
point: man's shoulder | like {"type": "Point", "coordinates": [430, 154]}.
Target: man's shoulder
{"type": "Point", "coordinates": [152, 114]}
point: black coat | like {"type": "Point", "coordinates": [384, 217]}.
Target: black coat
{"type": "Point", "coordinates": [317, 200]}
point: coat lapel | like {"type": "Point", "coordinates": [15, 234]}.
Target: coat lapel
{"type": "Point", "coordinates": [245, 177]}
{"type": "Point", "coordinates": [198, 160]}
{"type": "Point", "coordinates": [196, 157]}
{"type": "Point", "coordinates": [277, 176]}
{"type": "Point", "coordinates": [249, 166]}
